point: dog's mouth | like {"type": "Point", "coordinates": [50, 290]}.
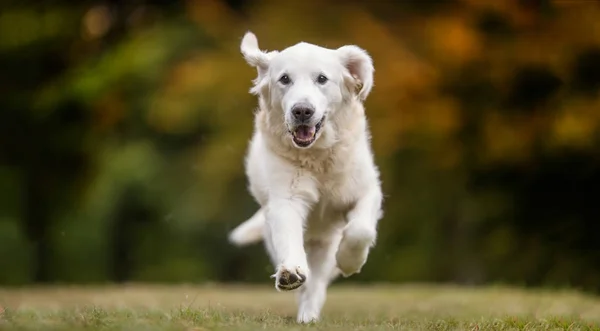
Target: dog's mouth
{"type": "Point", "coordinates": [305, 135]}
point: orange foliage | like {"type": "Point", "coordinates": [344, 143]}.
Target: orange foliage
{"type": "Point", "coordinates": [576, 124]}
{"type": "Point", "coordinates": [410, 66]}
{"type": "Point", "coordinates": [108, 111]}
{"type": "Point", "coordinates": [453, 41]}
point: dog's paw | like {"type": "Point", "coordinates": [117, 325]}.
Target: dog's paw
{"type": "Point", "coordinates": [353, 250]}
{"type": "Point", "coordinates": [310, 304]}
{"type": "Point", "coordinates": [306, 316]}
{"type": "Point", "coordinates": [289, 279]}
{"type": "Point", "coordinates": [350, 261]}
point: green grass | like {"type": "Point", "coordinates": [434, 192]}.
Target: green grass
{"type": "Point", "coordinates": [191, 308]}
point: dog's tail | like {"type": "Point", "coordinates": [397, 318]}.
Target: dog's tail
{"type": "Point", "coordinates": [249, 232]}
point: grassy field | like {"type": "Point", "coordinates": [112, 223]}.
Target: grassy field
{"type": "Point", "coordinates": [137, 307]}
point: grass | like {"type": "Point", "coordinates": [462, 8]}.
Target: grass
{"type": "Point", "coordinates": [192, 308]}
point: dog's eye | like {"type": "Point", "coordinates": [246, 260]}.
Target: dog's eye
{"type": "Point", "coordinates": [285, 80]}
{"type": "Point", "coordinates": [322, 79]}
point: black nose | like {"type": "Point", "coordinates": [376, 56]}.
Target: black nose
{"type": "Point", "coordinates": [303, 112]}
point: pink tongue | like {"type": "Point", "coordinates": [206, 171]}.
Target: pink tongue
{"type": "Point", "coordinates": [304, 132]}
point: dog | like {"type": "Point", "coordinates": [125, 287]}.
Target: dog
{"type": "Point", "coordinates": [310, 167]}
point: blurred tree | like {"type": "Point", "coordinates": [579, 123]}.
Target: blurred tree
{"type": "Point", "coordinates": [47, 145]}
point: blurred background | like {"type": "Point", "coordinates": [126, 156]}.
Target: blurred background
{"type": "Point", "coordinates": [124, 124]}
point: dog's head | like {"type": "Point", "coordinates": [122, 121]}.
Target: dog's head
{"type": "Point", "coordinates": [306, 84]}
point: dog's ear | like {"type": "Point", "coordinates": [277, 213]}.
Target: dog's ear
{"type": "Point", "coordinates": [360, 69]}
{"type": "Point", "coordinates": [255, 57]}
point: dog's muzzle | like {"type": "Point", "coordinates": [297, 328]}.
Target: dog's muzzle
{"type": "Point", "coordinates": [304, 135]}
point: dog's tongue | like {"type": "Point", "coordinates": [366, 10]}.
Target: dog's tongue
{"type": "Point", "coordinates": [304, 132]}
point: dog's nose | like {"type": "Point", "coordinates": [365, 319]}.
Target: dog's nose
{"type": "Point", "coordinates": [303, 112]}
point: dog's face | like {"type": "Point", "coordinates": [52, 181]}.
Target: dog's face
{"type": "Point", "coordinates": [307, 84]}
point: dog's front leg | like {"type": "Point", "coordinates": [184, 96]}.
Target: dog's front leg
{"type": "Point", "coordinates": [285, 219]}
{"type": "Point", "coordinates": [360, 233]}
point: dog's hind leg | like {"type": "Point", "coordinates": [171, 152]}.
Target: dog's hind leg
{"type": "Point", "coordinates": [249, 232]}
{"type": "Point", "coordinates": [322, 263]}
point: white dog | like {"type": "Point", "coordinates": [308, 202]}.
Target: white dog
{"type": "Point", "coordinates": [311, 168]}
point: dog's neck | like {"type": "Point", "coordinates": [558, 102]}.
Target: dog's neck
{"type": "Point", "coordinates": [338, 136]}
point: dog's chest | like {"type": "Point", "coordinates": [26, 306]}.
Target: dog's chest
{"type": "Point", "coordinates": [336, 197]}
{"type": "Point", "coordinates": [330, 212]}
{"type": "Point", "coordinates": [337, 191]}
{"type": "Point", "coordinates": [337, 180]}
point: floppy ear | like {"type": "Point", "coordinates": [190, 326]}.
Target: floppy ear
{"type": "Point", "coordinates": [360, 69]}
{"type": "Point", "coordinates": [256, 58]}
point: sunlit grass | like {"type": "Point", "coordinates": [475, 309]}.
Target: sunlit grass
{"type": "Point", "coordinates": [137, 307]}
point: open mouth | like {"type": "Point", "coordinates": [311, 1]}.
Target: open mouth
{"type": "Point", "coordinates": [304, 135]}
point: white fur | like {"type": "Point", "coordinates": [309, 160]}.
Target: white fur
{"type": "Point", "coordinates": [320, 204]}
